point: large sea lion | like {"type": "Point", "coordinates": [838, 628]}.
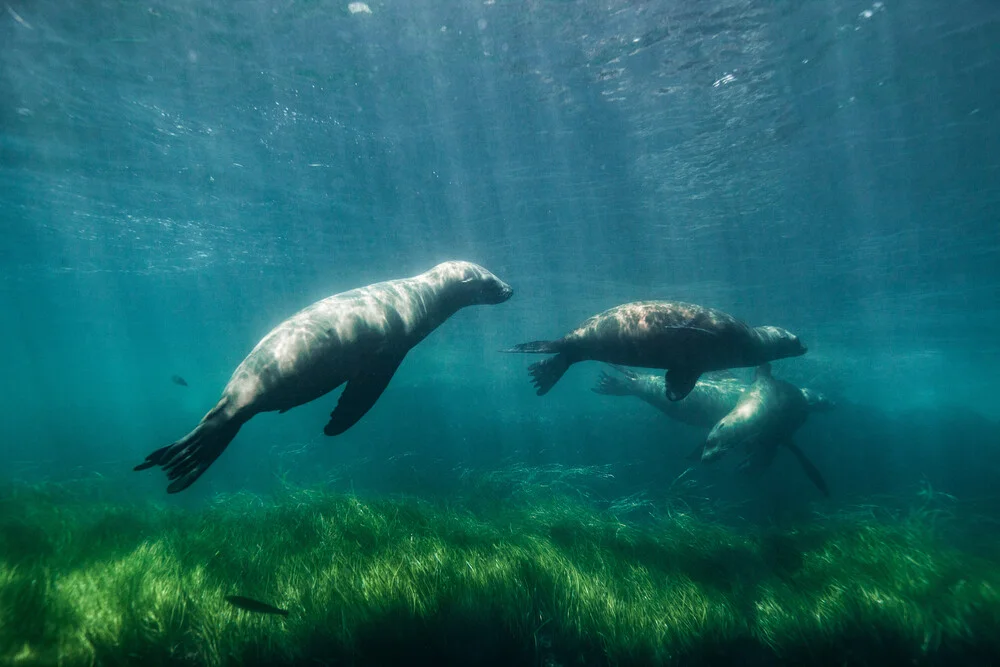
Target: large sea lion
{"type": "Point", "coordinates": [358, 337]}
{"type": "Point", "coordinates": [765, 418]}
{"type": "Point", "coordinates": [713, 397]}
{"type": "Point", "coordinates": [685, 339]}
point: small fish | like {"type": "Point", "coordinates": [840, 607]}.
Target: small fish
{"type": "Point", "coordinates": [254, 605]}
{"type": "Point", "coordinates": [177, 379]}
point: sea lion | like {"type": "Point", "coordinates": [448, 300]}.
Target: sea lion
{"type": "Point", "coordinates": [713, 397]}
{"type": "Point", "coordinates": [766, 417]}
{"type": "Point", "coordinates": [685, 339]}
{"type": "Point", "coordinates": [359, 337]}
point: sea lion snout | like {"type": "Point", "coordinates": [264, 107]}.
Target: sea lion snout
{"type": "Point", "coordinates": [494, 292]}
{"type": "Point", "coordinates": [782, 342]}
{"type": "Point", "coordinates": [791, 345]}
{"type": "Point", "coordinates": [477, 284]}
{"type": "Point", "coordinates": [491, 290]}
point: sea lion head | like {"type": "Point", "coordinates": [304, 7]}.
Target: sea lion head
{"type": "Point", "coordinates": [473, 284]}
{"type": "Point", "coordinates": [732, 430]}
{"type": "Point", "coordinates": [780, 343]}
{"type": "Point", "coordinates": [818, 401]}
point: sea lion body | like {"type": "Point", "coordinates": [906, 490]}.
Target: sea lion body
{"type": "Point", "coordinates": [713, 397]}
{"type": "Point", "coordinates": [765, 418]}
{"type": "Point", "coordinates": [359, 337]}
{"type": "Point", "coordinates": [685, 339]}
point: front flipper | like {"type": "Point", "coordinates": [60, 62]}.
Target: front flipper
{"type": "Point", "coordinates": [680, 382]}
{"type": "Point", "coordinates": [697, 453]}
{"type": "Point", "coordinates": [812, 472]}
{"type": "Point", "coordinates": [757, 461]}
{"type": "Point", "coordinates": [360, 394]}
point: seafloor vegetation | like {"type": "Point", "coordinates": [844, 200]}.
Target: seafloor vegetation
{"type": "Point", "coordinates": [516, 573]}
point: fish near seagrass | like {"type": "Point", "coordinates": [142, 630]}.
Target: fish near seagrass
{"type": "Point", "coordinates": [249, 604]}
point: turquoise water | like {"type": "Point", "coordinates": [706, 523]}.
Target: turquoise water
{"type": "Point", "coordinates": [177, 178]}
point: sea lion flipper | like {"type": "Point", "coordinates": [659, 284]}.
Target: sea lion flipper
{"type": "Point", "coordinates": [812, 472]}
{"type": "Point", "coordinates": [611, 386]}
{"type": "Point", "coordinates": [696, 454]}
{"type": "Point", "coordinates": [360, 395]}
{"type": "Point", "coordinates": [187, 459]}
{"type": "Point", "coordinates": [545, 374]}
{"type": "Point", "coordinates": [757, 461]}
{"type": "Point", "coordinates": [680, 382]}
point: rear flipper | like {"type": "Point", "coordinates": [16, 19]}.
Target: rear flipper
{"type": "Point", "coordinates": [812, 472]}
{"type": "Point", "coordinates": [545, 374]}
{"type": "Point", "coordinates": [611, 386]}
{"type": "Point", "coordinates": [185, 460]}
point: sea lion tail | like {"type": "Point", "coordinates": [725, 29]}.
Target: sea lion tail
{"type": "Point", "coordinates": [545, 374]}
{"type": "Point", "coordinates": [535, 347]}
{"type": "Point", "coordinates": [187, 459]}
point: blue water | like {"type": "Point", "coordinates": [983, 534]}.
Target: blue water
{"type": "Point", "coordinates": [177, 178]}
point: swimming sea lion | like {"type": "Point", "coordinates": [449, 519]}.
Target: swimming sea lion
{"type": "Point", "coordinates": [358, 337]}
{"type": "Point", "coordinates": [766, 417]}
{"type": "Point", "coordinates": [713, 397]}
{"type": "Point", "coordinates": [682, 338]}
